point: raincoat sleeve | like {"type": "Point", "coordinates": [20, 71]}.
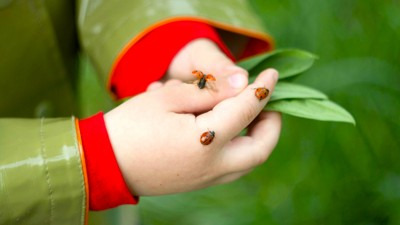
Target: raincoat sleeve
{"type": "Point", "coordinates": [42, 172]}
{"type": "Point", "coordinates": [107, 29]}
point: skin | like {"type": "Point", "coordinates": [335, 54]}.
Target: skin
{"type": "Point", "coordinates": [155, 135]}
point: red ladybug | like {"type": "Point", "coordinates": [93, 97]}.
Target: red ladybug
{"type": "Point", "coordinates": [261, 93]}
{"type": "Point", "coordinates": [202, 79]}
{"type": "Point", "coordinates": [207, 137]}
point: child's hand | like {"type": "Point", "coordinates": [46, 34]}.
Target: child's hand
{"type": "Point", "coordinates": [156, 136]}
{"type": "Point", "coordinates": [204, 55]}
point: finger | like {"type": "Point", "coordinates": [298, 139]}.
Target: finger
{"type": "Point", "coordinates": [204, 55]}
{"type": "Point", "coordinates": [244, 153]}
{"type": "Point", "coordinates": [154, 86]}
{"type": "Point", "coordinates": [187, 98]}
{"type": "Point", "coordinates": [172, 82]}
{"type": "Point", "coordinates": [232, 115]}
{"type": "Point", "coordinates": [231, 177]}
{"type": "Point", "coordinates": [200, 54]}
{"type": "Point", "coordinates": [265, 117]}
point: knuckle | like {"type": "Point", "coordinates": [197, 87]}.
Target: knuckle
{"type": "Point", "coordinates": [243, 71]}
{"type": "Point", "coordinates": [260, 159]}
{"type": "Point", "coordinates": [262, 155]}
{"type": "Point", "coordinates": [249, 113]}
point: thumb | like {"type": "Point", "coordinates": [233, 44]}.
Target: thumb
{"type": "Point", "coordinates": [204, 55]}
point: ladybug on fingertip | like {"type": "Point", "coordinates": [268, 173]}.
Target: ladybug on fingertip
{"type": "Point", "coordinates": [207, 137]}
{"type": "Point", "coordinates": [203, 80]}
{"type": "Point", "coordinates": [261, 93]}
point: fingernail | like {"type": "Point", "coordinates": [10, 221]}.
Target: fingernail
{"type": "Point", "coordinates": [237, 80]}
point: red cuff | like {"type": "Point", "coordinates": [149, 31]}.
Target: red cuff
{"type": "Point", "coordinates": [107, 187]}
{"type": "Point", "coordinates": [148, 59]}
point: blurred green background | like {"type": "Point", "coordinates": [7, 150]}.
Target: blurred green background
{"type": "Point", "coordinates": [320, 172]}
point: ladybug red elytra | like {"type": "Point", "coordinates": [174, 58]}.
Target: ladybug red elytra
{"type": "Point", "coordinates": [261, 93]}
{"type": "Point", "coordinates": [207, 137]}
{"type": "Point", "coordinates": [202, 79]}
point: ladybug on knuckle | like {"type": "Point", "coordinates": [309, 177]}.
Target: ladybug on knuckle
{"type": "Point", "coordinates": [207, 137]}
{"type": "Point", "coordinates": [261, 93]}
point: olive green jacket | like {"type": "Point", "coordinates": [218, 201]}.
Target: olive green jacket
{"type": "Point", "coordinates": [42, 171]}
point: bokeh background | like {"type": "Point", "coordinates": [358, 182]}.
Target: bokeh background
{"type": "Point", "coordinates": [320, 172]}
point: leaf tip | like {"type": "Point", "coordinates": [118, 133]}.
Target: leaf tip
{"type": "Point", "coordinates": [351, 120]}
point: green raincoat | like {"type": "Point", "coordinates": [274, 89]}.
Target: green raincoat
{"type": "Point", "coordinates": [42, 171]}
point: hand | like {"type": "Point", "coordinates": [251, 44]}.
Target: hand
{"type": "Point", "coordinates": [204, 55]}
{"type": "Point", "coordinates": [156, 136]}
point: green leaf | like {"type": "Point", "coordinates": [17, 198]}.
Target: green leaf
{"type": "Point", "coordinates": [288, 62]}
{"type": "Point", "coordinates": [285, 90]}
{"type": "Point", "coordinates": [317, 109]}
{"type": "Point", "coordinates": [249, 63]}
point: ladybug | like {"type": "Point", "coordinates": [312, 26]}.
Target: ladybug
{"type": "Point", "coordinates": [261, 93]}
{"type": "Point", "coordinates": [202, 79]}
{"type": "Point", "coordinates": [207, 137]}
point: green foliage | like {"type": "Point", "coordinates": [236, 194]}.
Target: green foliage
{"type": "Point", "coordinates": [318, 109]}
{"type": "Point", "coordinates": [289, 62]}
{"type": "Point", "coordinates": [285, 90]}
{"type": "Point", "coordinates": [293, 99]}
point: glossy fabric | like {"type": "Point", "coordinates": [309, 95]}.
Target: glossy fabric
{"type": "Point", "coordinates": [37, 58]}
{"type": "Point", "coordinates": [41, 179]}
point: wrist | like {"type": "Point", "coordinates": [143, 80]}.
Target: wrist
{"type": "Point", "coordinates": [107, 187]}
